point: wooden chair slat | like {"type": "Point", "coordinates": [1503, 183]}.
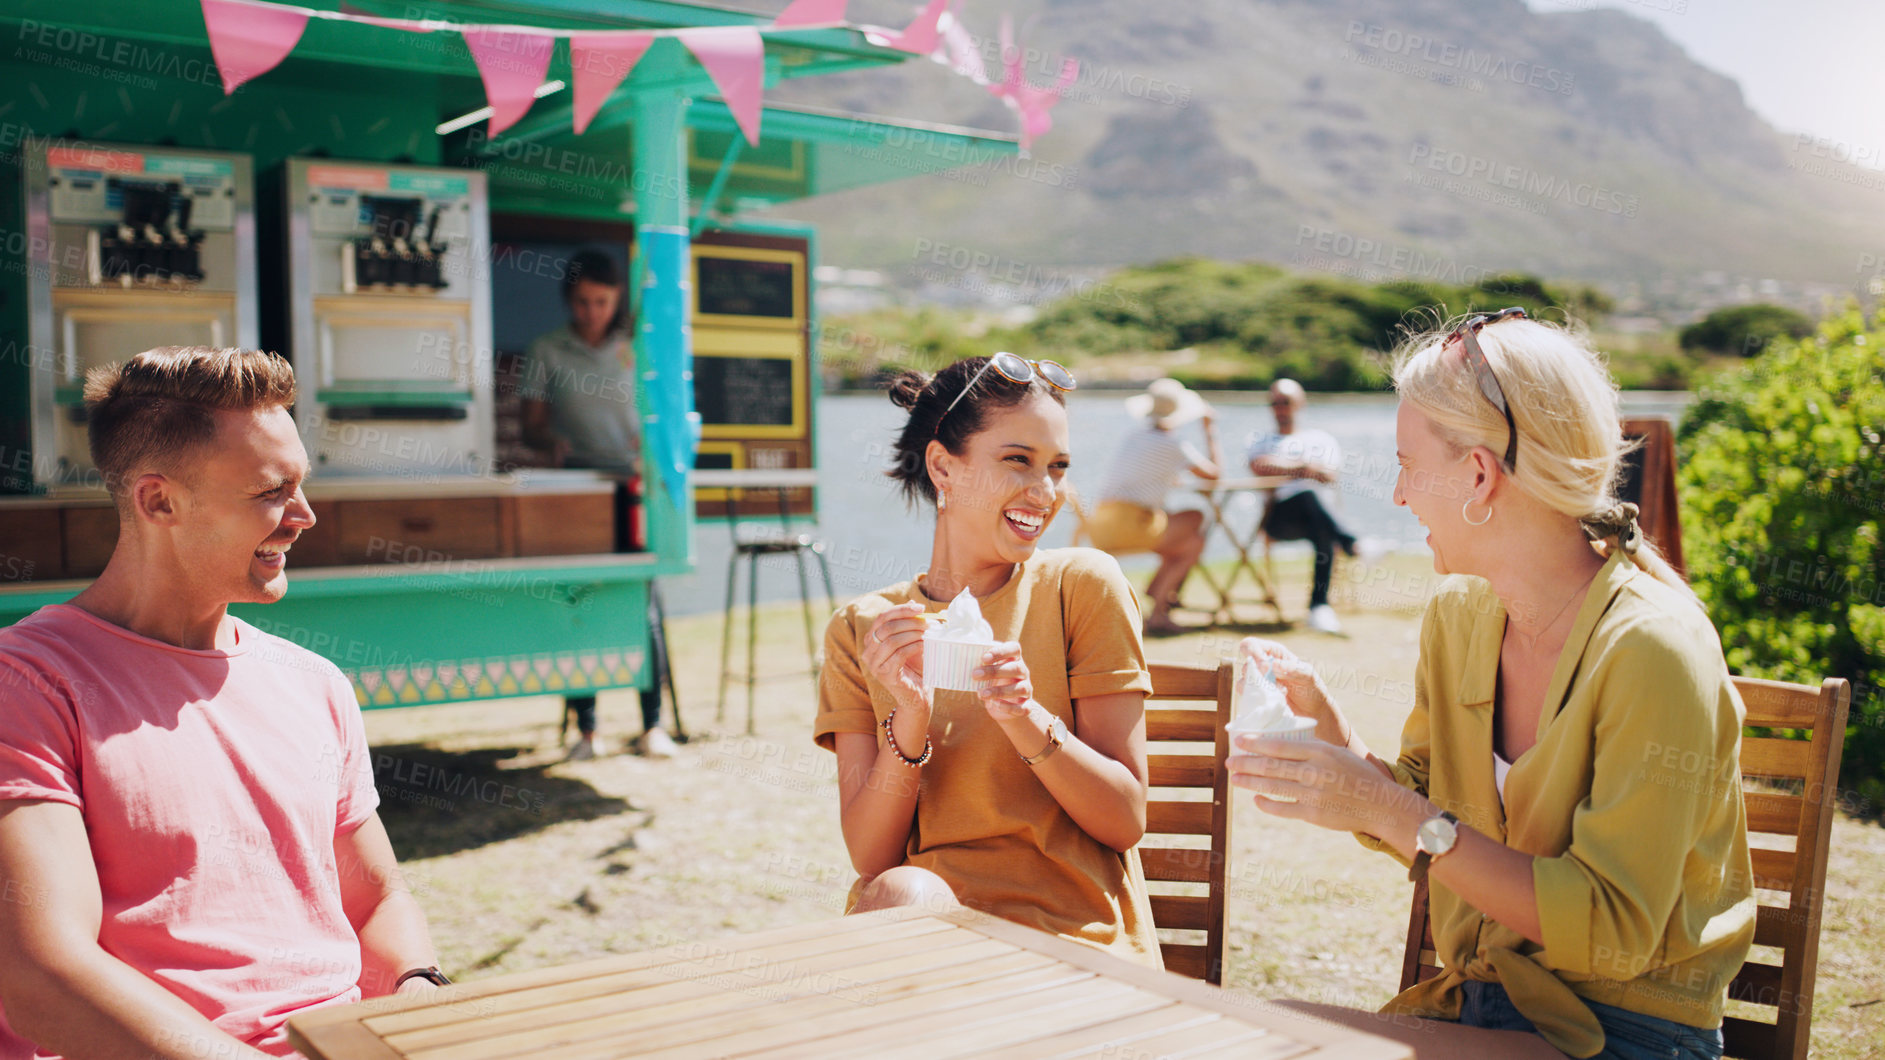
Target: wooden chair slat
{"type": "Point", "coordinates": [1190, 912]}
{"type": "Point", "coordinates": [1750, 1038]}
{"type": "Point", "coordinates": [1801, 872]}
{"type": "Point", "coordinates": [1757, 984]}
{"type": "Point", "coordinates": [1774, 926]}
{"type": "Point", "coordinates": [1192, 772]}
{"type": "Point", "coordinates": [1181, 771]}
{"type": "Point", "coordinates": [1171, 681]}
{"type": "Point", "coordinates": [1179, 864]}
{"type": "Point", "coordinates": [1771, 813]}
{"type": "Point", "coordinates": [1779, 704]}
{"type": "Point", "coordinates": [1165, 725]}
{"type": "Point", "coordinates": [1771, 756]}
{"type": "Point", "coordinates": [1178, 818]}
{"type": "Point", "coordinates": [1185, 959]}
{"type": "Point", "coordinates": [1773, 869]}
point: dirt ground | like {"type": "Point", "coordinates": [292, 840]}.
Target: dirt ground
{"type": "Point", "coordinates": [523, 860]}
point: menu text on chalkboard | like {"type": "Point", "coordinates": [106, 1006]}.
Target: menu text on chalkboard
{"type": "Point", "coordinates": [745, 288]}
{"type": "Point", "coordinates": [743, 391]}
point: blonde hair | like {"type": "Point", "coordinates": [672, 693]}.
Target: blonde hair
{"type": "Point", "coordinates": [154, 410]}
{"type": "Point", "coordinates": [1564, 403]}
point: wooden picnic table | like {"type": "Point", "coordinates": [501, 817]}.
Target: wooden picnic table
{"type": "Point", "coordinates": [896, 983]}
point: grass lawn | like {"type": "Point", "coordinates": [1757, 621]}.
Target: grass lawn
{"type": "Point", "coordinates": [557, 862]}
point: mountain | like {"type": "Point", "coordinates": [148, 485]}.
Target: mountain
{"type": "Point", "coordinates": [1375, 138]}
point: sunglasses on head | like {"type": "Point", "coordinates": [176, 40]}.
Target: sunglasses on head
{"type": "Point", "coordinates": [1016, 369]}
{"type": "Point", "coordinates": [1489, 386]}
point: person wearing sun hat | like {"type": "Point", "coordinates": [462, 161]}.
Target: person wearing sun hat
{"type": "Point", "coordinates": [1132, 514]}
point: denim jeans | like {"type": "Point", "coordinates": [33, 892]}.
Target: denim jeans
{"type": "Point", "coordinates": [1627, 1035]}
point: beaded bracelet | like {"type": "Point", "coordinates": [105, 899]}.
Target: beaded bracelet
{"type": "Point", "coordinates": [898, 751]}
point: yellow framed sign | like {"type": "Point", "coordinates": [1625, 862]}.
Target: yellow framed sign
{"type": "Point", "coordinates": [749, 287]}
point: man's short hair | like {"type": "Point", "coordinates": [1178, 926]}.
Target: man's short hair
{"type": "Point", "coordinates": [150, 412]}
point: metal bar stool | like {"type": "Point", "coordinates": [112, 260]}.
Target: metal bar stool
{"type": "Point", "coordinates": [760, 541]}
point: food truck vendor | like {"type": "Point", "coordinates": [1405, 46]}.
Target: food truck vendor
{"type": "Point", "coordinates": [578, 391]}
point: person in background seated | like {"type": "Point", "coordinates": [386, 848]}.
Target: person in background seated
{"type": "Point", "coordinates": [1131, 516]}
{"type": "Point", "coordinates": [189, 842]}
{"type": "Point", "coordinates": [1582, 887]}
{"type": "Point", "coordinates": [1024, 800]}
{"type": "Point", "coordinates": [578, 393]}
{"type": "Point", "coordinates": [1300, 509]}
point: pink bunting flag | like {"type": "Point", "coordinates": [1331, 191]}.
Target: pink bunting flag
{"type": "Point", "coordinates": [1034, 103]}
{"type": "Point", "coordinates": [249, 40]}
{"type": "Point", "coordinates": [735, 58]}
{"type": "Point", "coordinates": [811, 13]}
{"type": "Point", "coordinates": [512, 64]}
{"type": "Point", "coordinates": [964, 57]}
{"type": "Point", "coordinates": [920, 36]}
{"type": "Point", "coordinates": [598, 63]}
{"type": "Point", "coordinates": [1029, 102]}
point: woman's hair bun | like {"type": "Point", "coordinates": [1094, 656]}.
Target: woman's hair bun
{"type": "Point", "coordinates": [906, 387]}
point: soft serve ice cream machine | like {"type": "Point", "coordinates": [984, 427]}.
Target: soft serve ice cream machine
{"type": "Point", "coordinates": [128, 248]}
{"type": "Point", "coordinates": [389, 315]}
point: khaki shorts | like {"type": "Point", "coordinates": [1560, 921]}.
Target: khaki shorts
{"type": "Point", "coordinates": [1122, 526]}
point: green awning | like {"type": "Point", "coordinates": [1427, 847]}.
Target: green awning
{"type": "Point", "coordinates": [352, 72]}
{"type": "Point", "coordinates": [802, 152]}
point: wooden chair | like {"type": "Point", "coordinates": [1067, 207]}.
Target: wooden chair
{"type": "Point", "coordinates": [1776, 766]}
{"type": "Point", "coordinates": [1189, 705]}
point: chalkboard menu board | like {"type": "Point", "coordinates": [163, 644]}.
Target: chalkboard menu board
{"type": "Point", "coordinates": [743, 391]}
{"type": "Point", "coordinates": [729, 286]}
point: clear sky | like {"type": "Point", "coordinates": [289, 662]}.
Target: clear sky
{"type": "Point", "coordinates": [1812, 66]}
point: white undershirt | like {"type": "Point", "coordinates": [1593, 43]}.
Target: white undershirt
{"type": "Point", "coordinates": [1500, 767]}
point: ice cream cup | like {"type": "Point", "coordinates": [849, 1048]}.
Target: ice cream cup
{"type": "Point", "coordinates": [1295, 727]}
{"type": "Point", "coordinates": [1298, 729]}
{"type": "Point", "coordinates": [949, 663]}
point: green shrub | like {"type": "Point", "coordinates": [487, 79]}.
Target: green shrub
{"type": "Point", "coordinates": [1745, 330]}
{"type": "Point", "coordinates": [1783, 495]}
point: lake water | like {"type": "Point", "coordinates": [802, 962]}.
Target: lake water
{"type": "Point", "coordinates": [873, 541]}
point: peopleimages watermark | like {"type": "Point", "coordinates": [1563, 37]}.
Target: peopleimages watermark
{"type": "Point", "coordinates": [1048, 281]}
{"type": "Point", "coordinates": [110, 58]}
{"type": "Point", "coordinates": [1450, 56]}
{"type": "Point", "coordinates": [1505, 176]}
{"type": "Point", "coordinates": [1333, 250]}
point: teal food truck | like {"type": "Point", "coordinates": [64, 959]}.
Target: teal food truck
{"type": "Point", "coordinates": [349, 208]}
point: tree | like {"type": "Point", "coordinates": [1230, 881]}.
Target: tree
{"type": "Point", "coordinates": [1745, 330]}
{"type": "Point", "coordinates": [1783, 497]}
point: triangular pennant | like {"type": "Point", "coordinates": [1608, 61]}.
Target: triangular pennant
{"type": "Point", "coordinates": [921, 35]}
{"type": "Point", "coordinates": [735, 58]}
{"type": "Point", "coordinates": [598, 63]}
{"type": "Point", "coordinates": [811, 13]}
{"type": "Point", "coordinates": [512, 64]}
{"type": "Point", "coordinates": [249, 40]}
{"type": "Point", "coordinates": [964, 57]}
{"type": "Point", "coordinates": [1034, 103]}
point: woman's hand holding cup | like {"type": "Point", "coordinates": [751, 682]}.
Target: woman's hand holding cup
{"type": "Point", "coordinates": [1007, 692]}
{"type": "Point", "coordinates": [1301, 684]}
{"type": "Point", "coordinates": [893, 654]}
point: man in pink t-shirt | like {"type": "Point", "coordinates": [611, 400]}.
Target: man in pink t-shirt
{"type": "Point", "coordinates": [189, 848]}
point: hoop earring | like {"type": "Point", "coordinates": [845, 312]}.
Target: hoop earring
{"type": "Point", "coordinates": [1469, 519]}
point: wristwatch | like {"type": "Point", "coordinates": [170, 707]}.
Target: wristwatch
{"type": "Point", "coordinates": [431, 974]}
{"type": "Point", "coordinates": [1056, 735]}
{"type": "Point", "coordinates": [1434, 838]}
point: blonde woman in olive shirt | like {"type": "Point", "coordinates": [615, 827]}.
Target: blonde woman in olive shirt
{"type": "Point", "coordinates": [1573, 715]}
